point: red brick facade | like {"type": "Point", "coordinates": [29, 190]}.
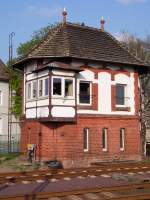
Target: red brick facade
{"type": "Point", "coordinates": [65, 141]}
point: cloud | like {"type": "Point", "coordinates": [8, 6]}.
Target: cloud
{"type": "Point", "coordinates": [127, 2]}
{"type": "Point", "coordinates": [45, 11]}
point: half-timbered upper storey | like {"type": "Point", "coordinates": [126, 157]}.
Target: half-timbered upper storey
{"type": "Point", "coordinates": [79, 70]}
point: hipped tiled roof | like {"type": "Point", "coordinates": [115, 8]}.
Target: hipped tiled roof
{"type": "Point", "coordinates": [3, 74]}
{"type": "Point", "coordinates": [77, 41]}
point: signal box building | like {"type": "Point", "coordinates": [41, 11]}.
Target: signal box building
{"type": "Point", "coordinates": [81, 97]}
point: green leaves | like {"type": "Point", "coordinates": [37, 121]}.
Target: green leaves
{"type": "Point", "coordinates": [36, 37]}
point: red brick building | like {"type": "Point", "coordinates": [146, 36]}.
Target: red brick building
{"type": "Point", "coordinates": [81, 97]}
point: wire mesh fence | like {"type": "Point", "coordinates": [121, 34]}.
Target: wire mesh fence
{"type": "Point", "coordinates": [12, 145]}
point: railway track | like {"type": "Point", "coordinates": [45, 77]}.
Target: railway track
{"type": "Point", "coordinates": [126, 192]}
{"type": "Point", "coordinates": [32, 176]}
{"type": "Point", "coordinates": [37, 184]}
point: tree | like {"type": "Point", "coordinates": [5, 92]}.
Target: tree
{"type": "Point", "coordinates": [141, 49]}
{"type": "Point", "coordinates": [15, 76]}
{"type": "Point", "coordinates": [36, 37]}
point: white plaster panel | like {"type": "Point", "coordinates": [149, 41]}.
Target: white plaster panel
{"type": "Point", "coordinates": [43, 102]}
{"type": "Point", "coordinates": [63, 73]}
{"type": "Point", "coordinates": [30, 104]}
{"type": "Point", "coordinates": [42, 73]}
{"type": "Point", "coordinates": [86, 75]}
{"type": "Point", "coordinates": [122, 79]}
{"type": "Point", "coordinates": [42, 112]}
{"type": "Point", "coordinates": [104, 92]}
{"type": "Point", "coordinates": [31, 113]}
{"type": "Point", "coordinates": [31, 76]}
{"type": "Point", "coordinates": [63, 102]}
{"type": "Point", "coordinates": [63, 111]}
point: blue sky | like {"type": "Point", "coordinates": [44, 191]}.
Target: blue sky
{"type": "Point", "coordinates": [25, 16]}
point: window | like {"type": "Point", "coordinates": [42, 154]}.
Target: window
{"type": "Point", "coordinates": [34, 89]}
{"type": "Point", "coordinates": [86, 139]}
{"type": "Point", "coordinates": [84, 92]}
{"type": "Point", "coordinates": [29, 90]}
{"type": "Point", "coordinates": [68, 87]}
{"type": "Point", "coordinates": [57, 86]}
{"type": "Point", "coordinates": [43, 87]}
{"type": "Point", "coordinates": [40, 88]}
{"type": "Point", "coordinates": [104, 139]}
{"type": "Point", "coordinates": [120, 94]}
{"type": "Point", "coordinates": [63, 87]}
{"type": "Point", "coordinates": [0, 97]}
{"type": "Point", "coordinates": [46, 86]}
{"type": "Point", "coordinates": [1, 126]}
{"type": "Point", "coordinates": [122, 138]}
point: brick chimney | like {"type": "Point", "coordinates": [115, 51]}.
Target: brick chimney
{"type": "Point", "coordinates": [64, 13]}
{"type": "Point", "coordinates": [102, 21]}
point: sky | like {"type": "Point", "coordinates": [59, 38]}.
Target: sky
{"type": "Point", "coordinates": [25, 16]}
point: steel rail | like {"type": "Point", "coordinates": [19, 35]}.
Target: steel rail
{"type": "Point", "coordinates": [71, 173]}
{"type": "Point", "coordinates": [46, 195]}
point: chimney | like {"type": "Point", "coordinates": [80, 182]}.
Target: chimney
{"type": "Point", "coordinates": [64, 13]}
{"type": "Point", "coordinates": [102, 21]}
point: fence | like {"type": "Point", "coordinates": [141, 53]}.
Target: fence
{"type": "Point", "coordinates": [14, 143]}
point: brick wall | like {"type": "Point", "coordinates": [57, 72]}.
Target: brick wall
{"type": "Point", "coordinates": [65, 141]}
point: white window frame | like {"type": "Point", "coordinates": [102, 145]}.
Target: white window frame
{"type": "Point", "coordinates": [106, 139]}
{"type": "Point", "coordinates": [122, 137]}
{"type": "Point", "coordinates": [43, 87]}
{"type": "Point", "coordinates": [1, 128]}
{"type": "Point", "coordinates": [1, 97]}
{"type": "Point", "coordinates": [85, 104]}
{"type": "Point", "coordinates": [87, 141]}
{"type": "Point", "coordinates": [125, 96]}
{"type": "Point", "coordinates": [32, 89]}
{"type": "Point", "coordinates": [63, 87]}
{"type": "Point", "coordinates": [27, 89]}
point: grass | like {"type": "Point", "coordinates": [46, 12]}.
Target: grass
{"type": "Point", "coordinates": [8, 156]}
{"type": "Point", "coordinates": [16, 162]}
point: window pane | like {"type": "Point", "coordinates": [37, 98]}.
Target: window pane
{"type": "Point", "coordinates": [40, 88]}
{"type": "Point", "coordinates": [46, 87]}
{"type": "Point", "coordinates": [104, 138]}
{"type": "Point", "coordinates": [29, 91]}
{"type": "Point", "coordinates": [85, 139]}
{"type": "Point", "coordinates": [56, 86]}
{"type": "Point", "coordinates": [68, 87]}
{"type": "Point", "coordinates": [120, 97]}
{"type": "Point", "coordinates": [122, 130]}
{"type": "Point", "coordinates": [34, 89]}
{"type": "Point", "coordinates": [84, 96]}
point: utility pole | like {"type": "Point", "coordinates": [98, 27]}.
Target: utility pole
{"type": "Point", "coordinates": [11, 35]}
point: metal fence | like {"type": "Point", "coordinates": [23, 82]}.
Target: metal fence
{"type": "Point", "coordinates": [14, 143]}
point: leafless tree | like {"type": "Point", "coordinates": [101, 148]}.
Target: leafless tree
{"type": "Point", "coordinates": [141, 49]}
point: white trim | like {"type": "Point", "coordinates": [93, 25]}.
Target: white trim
{"type": "Point", "coordinates": [1, 97]}
{"type": "Point", "coordinates": [43, 87]}
{"type": "Point", "coordinates": [87, 141]}
{"type": "Point", "coordinates": [122, 134]}
{"type": "Point", "coordinates": [63, 87]}
{"type": "Point", "coordinates": [105, 138]}
{"type": "Point", "coordinates": [1, 126]}
{"type": "Point", "coordinates": [78, 93]}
